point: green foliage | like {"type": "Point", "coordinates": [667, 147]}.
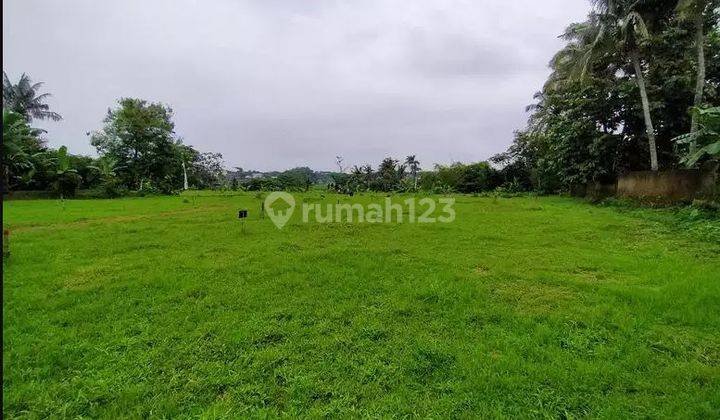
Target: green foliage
{"type": "Point", "coordinates": [296, 179]}
{"type": "Point", "coordinates": [138, 140]}
{"type": "Point", "coordinates": [587, 123]}
{"type": "Point", "coordinates": [16, 159]}
{"type": "Point", "coordinates": [206, 170]}
{"type": "Point", "coordinates": [107, 169]}
{"type": "Point", "coordinates": [706, 139]}
{"type": "Point", "coordinates": [392, 176]}
{"type": "Point", "coordinates": [28, 164]}
{"type": "Point", "coordinates": [458, 177]}
{"type": "Point", "coordinates": [263, 184]}
{"type": "Point", "coordinates": [67, 178]}
{"type": "Point", "coordinates": [413, 166]}
{"type": "Point", "coordinates": [389, 176]}
{"type": "Point", "coordinates": [139, 136]}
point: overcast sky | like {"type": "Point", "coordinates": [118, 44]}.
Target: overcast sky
{"type": "Point", "coordinates": [273, 84]}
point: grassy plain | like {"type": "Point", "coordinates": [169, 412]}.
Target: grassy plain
{"type": "Point", "coordinates": [534, 306]}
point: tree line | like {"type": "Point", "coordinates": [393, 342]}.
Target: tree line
{"type": "Point", "coordinates": [138, 150]}
{"type": "Point", "coordinates": [139, 153]}
{"type": "Point", "coordinates": [635, 87]}
{"type": "Point", "coordinates": [390, 175]}
{"type": "Point", "coordinates": [394, 175]}
{"type": "Point", "coordinates": [632, 89]}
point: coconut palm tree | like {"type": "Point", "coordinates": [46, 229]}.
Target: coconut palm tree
{"type": "Point", "coordinates": [571, 63]}
{"type": "Point", "coordinates": [356, 170]}
{"type": "Point", "coordinates": [356, 175]}
{"type": "Point", "coordinates": [694, 11]}
{"type": "Point", "coordinates": [414, 166]}
{"type": "Point", "coordinates": [615, 27]}
{"type": "Point", "coordinates": [367, 172]}
{"type": "Point", "coordinates": [633, 30]}
{"type": "Point", "coordinates": [24, 98]}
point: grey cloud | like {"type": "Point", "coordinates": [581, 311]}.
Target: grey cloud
{"type": "Point", "coordinates": [273, 84]}
{"type": "Point", "coordinates": [458, 55]}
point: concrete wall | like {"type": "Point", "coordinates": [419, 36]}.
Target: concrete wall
{"type": "Point", "coordinates": [597, 190]}
{"type": "Point", "coordinates": [673, 185]}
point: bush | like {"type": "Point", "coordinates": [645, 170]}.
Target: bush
{"type": "Point", "coordinates": [66, 184]}
{"type": "Point", "coordinates": [113, 188]}
{"type": "Point", "coordinates": [458, 177]}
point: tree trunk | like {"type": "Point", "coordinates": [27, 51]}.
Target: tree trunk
{"type": "Point", "coordinates": [646, 110]}
{"type": "Point", "coordinates": [700, 83]}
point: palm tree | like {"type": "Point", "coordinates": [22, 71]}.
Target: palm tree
{"type": "Point", "coordinates": [615, 28]}
{"type": "Point", "coordinates": [367, 175]}
{"type": "Point", "coordinates": [694, 10]}
{"type": "Point", "coordinates": [571, 63]}
{"type": "Point", "coordinates": [414, 167]}
{"type": "Point", "coordinates": [339, 162]}
{"type": "Point", "coordinates": [24, 99]}
{"type": "Point", "coordinates": [634, 29]}
{"type": "Point", "coordinates": [356, 175]}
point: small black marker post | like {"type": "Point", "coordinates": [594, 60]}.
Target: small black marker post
{"type": "Point", "coordinates": [242, 215]}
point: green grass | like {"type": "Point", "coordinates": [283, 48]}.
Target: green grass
{"type": "Point", "coordinates": [545, 307]}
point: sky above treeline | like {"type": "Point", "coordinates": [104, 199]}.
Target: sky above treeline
{"type": "Point", "coordinates": [274, 84]}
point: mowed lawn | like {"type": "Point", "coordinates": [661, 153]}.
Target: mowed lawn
{"type": "Point", "coordinates": [545, 307]}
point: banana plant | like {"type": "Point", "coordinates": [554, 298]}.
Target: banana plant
{"type": "Point", "coordinates": [67, 177]}
{"type": "Point", "coordinates": [15, 160]}
{"type": "Point", "coordinates": [107, 167]}
{"type": "Point", "coordinates": [705, 139]}
{"type": "Point", "coordinates": [63, 162]}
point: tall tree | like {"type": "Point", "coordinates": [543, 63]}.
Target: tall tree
{"type": "Point", "coordinates": [414, 166]}
{"type": "Point", "coordinates": [368, 175]}
{"type": "Point", "coordinates": [339, 162]}
{"type": "Point", "coordinates": [389, 175]}
{"type": "Point", "coordinates": [694, 11]}
{"type": "Point", "coordinates": [209, 169]}
{"type": "Point", "coordinates": [616, 28]}
{"type": "Point", "coordinates": [24, 98]}
{"type": "Point", "coordinates": [586, 127]}
{"type": "Point", "coordinates": [139, 136]}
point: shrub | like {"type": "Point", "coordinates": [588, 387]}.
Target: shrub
{"type": "Point", "coordinates": [66, 184]}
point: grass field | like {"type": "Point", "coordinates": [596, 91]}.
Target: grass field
{"type": "Point", "coordinates": [548, 307]}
